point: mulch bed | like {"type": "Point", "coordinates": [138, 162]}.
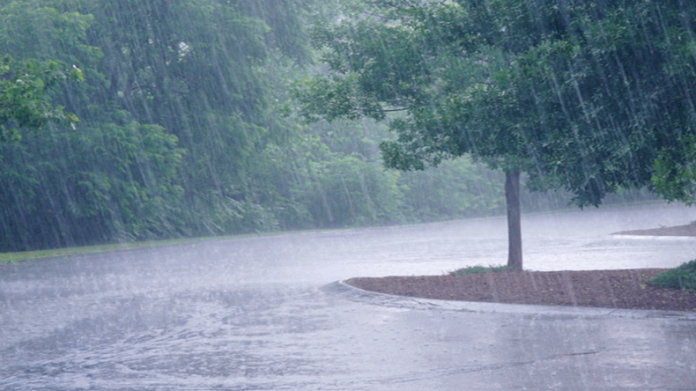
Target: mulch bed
{"type": "Point", "coordinates": [625, 289]}
{"type": "Point", "coordinates": [681, 230]}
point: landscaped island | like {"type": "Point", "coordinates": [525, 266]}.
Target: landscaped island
{"type": "Point", "coordinates": [624, 289]}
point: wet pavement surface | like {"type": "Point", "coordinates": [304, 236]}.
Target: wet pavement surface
{"type": "Point", "coordinates": [261, 313]}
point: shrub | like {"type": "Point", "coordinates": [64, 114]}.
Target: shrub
{"type": "Point", "coordinates": [682, 277]}
{"type": "Point", "coordinates": [479, 269]}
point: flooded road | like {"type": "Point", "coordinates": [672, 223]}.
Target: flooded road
{"type": "Point", "coordinates": [251, 314]}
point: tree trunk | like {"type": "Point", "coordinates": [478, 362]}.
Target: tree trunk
{"type": "Point", "coordinates": [512, 197]}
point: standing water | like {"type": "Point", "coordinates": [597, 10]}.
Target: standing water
{"type": "Point", "coordinates": [250, 314]}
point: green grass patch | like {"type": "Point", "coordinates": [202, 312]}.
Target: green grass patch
{"type": "Point", "coordinates": [16, 257]}
{"type": "Point", "coordinates": [479, 269]}
{"type": "Point", "coordinates": [681, 277]}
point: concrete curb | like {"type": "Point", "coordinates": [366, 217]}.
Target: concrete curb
{"type": "Point", "coordinates": [355, 294]}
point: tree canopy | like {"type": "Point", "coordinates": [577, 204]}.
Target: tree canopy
{"type": "Point", "coordinates": [174, 106]}
{"type": "Point", "coordinates": [25, 104]}
{"type": "Point", "coordinates": [591, 96]}
{"type": "Point", "coordinates": [183, 127]}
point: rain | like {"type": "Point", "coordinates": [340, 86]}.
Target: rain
{"type": "Point", "coordinates": [188, 189]}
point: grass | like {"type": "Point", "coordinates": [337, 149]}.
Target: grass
{"type": "Point", "coordinates": [16, 257]}
{"type": "Point", "coordinates": [479, 269]}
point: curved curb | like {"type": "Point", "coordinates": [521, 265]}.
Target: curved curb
{"type": "Point", "coordinates": [653, 237]}
{"type": "Point", "coordinates": [356, 294]}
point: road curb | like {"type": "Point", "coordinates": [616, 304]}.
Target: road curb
{"type": "Point", "coordinates": [356, 294]}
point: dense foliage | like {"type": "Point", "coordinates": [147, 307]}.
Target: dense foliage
{"type": "Point", "coordinates": [594, 97]}
{"type": "Point", "coordinates": [681, 277]}
{"type": "Point", "coordinates": [183, 129]}
{"type": "Point", "coordinates": [22, 93]}
{"type": "Point", "coordinates": [129, 120]}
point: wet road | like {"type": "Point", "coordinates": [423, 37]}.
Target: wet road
{"type": "Point", "coordinates": [252, 314]}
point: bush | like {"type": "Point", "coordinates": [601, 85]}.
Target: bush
{"type": "Point", "coordinates": [479, 269]}
{"type": "Point", "coordinates": [682, 277]}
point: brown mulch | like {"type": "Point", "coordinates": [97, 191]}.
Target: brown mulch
{"type": "Point", "coordinates": [626, 289]}
{"type": "Point", "coordinates": [621, 289]}
{"type": "Point", "coordinates": [681, 230]}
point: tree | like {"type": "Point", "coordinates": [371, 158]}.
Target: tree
{"type": "Point", "coordinates": [393, 62]}
{"type": "Point", "coordinates": [601, 93]}
{"type": "Point", "coordinates": [200, 69]}
{"type": "Point", "coordinates": [105, 178]}
{"type": "Point", "coordinates": [590, 96]}
{"type": "Point", "coordinates": [183, 94]}
{"type": "Point", "coordinates": [42, 54]}
{"type": "Point", "coordinates": [23, 100]}
{"type": "Point", "coordinates": [614, 96]}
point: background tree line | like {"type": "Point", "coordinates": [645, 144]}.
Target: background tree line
{"type": "Point", "coordinates": [187, 127]}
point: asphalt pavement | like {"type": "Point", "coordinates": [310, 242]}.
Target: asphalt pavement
{"type": "Point", "coordinates": [268, 313]}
